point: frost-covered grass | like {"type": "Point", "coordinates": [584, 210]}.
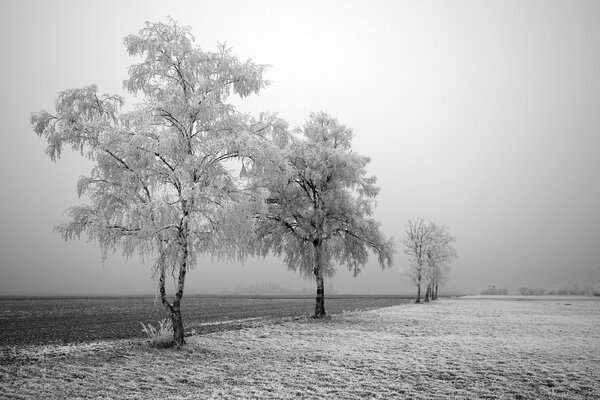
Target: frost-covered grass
{"type": "Point", "coordinates": [465, 349]}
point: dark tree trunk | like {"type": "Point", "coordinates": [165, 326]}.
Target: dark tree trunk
{"type": "Point", "coordinates": [427, 292]}
{"type": "Point", "coordinates": [418, 287]}
{"type": "Point", "coordinates": [320, 304]}
{"type": "Point", "coordinates": [178, 337]}
{"type": "Point", "coordinates": [174, 309]}
{"type": "Point", "coordinates": [435, 292]}
{"type": "Point", "coordinates": [318, 271]}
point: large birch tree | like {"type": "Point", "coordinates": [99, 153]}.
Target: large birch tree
{"type": "Point", "coordinates": [320, 205]}
{"type": "Point", "coordinates": [161, 185]}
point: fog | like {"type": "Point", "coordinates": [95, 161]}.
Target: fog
{"type": "Point", "coordinates": [482, 116]}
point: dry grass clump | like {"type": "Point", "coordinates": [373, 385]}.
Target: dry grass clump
{"type": "Point", "coordinates": [160, 336]}
{"type": "Point", "coordinates": [452, 349]}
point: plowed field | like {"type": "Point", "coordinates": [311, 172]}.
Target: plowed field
{"type": "Point", "coordinates": [77, 320]}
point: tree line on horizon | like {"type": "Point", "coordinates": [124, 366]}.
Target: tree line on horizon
{"type": "Point", "coordinates": [165, 181]}
{"type": "Point", "coordinates": [562, 290]}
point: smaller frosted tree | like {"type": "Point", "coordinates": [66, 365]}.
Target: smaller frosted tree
{"type": "Point", "coordinates": [320, 205]}
{"type": "Point", "coordinates": [440, 251]}
{"type": "Point", "coordinates": [428, 246]}
{"type": "Point", "coordinates": [415, 243]}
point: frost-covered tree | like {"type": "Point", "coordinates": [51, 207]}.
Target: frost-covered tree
{"type": "Point", "coordinates": [320, 205]}
{"type": "Point", "coordinates": [428, 246]}
{"type": "Point", "coordinates": [415, 244]}
{"type": "Point", "coordinates": [440, 251]}
{"type": "Point", "coordinates": [440, 278]}
{"type": "Point", "coordinates": [160, 185]}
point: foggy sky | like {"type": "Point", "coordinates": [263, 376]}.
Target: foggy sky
{"type": "Point", "coordinates": [480, 115]}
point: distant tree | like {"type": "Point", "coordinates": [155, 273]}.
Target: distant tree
{"type": "Point", "coordinates": [416, 243]}
{"type": "Point", "coordinates": [540, 291]}
{"type": "Point", "coordinates": [440, 251]}
{"type": "Point", "coordinates": [320, 205]}
{"type": "Point", "coordinates": [531, 291]}
{"type": "Point", "coordinates": [494, 291]}
{"type": "Point", "coordinates": [161, 185]}
{"type": "Point", "coordinates": [428, 246]}
{"type": "Point", "coordinates": [437, 277]}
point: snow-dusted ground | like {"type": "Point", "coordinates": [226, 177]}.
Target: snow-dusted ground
{"type": "Point", "coordinates": [460, 348]}
{"type": "Point", "coordinates": [526, 297]}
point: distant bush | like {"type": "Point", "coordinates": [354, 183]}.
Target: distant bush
{"type": "Point", "coordinates": [596, 290]}
{"type": "Point", "coordinates": [493, 290]}
{"type": "Point", "coordinates": [162, 336]}
{"type": "Point", "coordinates": [570, 291]}
{"type": "Point", "coordinates": [531, 291]}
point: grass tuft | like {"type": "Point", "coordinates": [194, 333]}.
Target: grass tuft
{"type": "Point", "coordinates": [160, 336]}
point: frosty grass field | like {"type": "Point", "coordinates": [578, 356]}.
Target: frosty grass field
{"type": "Point", "coordinates": [451, 349]}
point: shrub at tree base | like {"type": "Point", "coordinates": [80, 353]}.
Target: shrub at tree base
{"type": "Point", "coordinates": [596, 291]}
{"type": "Point", "coordinates": [161, 336]}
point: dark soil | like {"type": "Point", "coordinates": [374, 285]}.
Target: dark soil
{"type": "Point", "coordinates": [27, 321]}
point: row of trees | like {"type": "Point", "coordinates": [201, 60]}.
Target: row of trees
{"type": "Point", "coordinates": [429, 247]}
{"type": "Point", "coordinates": [163, 183]}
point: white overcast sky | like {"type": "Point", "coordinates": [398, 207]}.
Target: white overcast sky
{"type": "Point", "coordinates": [480, 115]}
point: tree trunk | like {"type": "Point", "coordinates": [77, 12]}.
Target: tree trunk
{"type": "Point", "coordinates": [320, 304]}
{"type": "Point", "coordinates": [435, 292]}
{"type": "Point", "coordinates": [178, 337]}
{"type": "Point", "coordinates": [418, 287]}
{"type": "Point", "coordinates": [175, 308]}
{"type": "Point", "coordinates": [427, 291]}
{"type": "Point", "coordinates": [318, 271]}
